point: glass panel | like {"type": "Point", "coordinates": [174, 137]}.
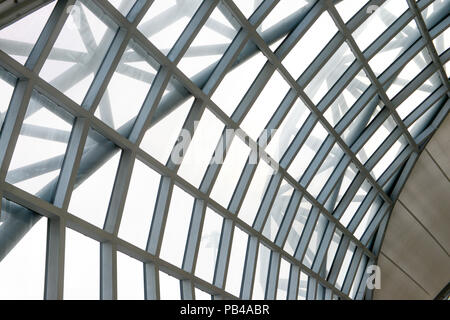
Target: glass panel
{"type": "Point", "coordinates": [315, 240]}
{"type": "Point", "coordinates": [40, 148]}
{"type": "Point", "coordinates": [123, 6]}
{"type": "Point", "coordinates": [347, 98]}
{"type": "Point", "coordinates": [90, 198]}
{"type": "Point", "coordinates": [210, 43]}
{"type": "Point", "coordinates": [82, 47]}
{"type": "Point", "coordinates": [265, 105]}
{"type": "Point", "coordinates": [201, 149]}
{"type": "Point", "coordinates": [302, 286]}
{"type": "Point", "coordinates": [255, 192]}
{"type": "Point", "coordinates": [238, 81]}
{"type": "Point", "coordinates": [247, 7]}
{"type": "Point", "coordinates": [435, 12]}
{"type": "Point", "coordinates": [418, 96]}
{"type": "Point", "coordinates": [409, 72]}
{"type": "Point", "coordinates": [209, 245]}
{"type": "Point", "coordinates": [297, 227]}
{"type": "Point", "coordinates": [442, 42]}
{"type": "Point", "coordinates": [376, 139]}
{"type": "Point", "coordinates": [169, 287]}
{"type": "Point", "coordinates": [127, 88]}
{"type": "Point", "coordinates": [358, 277]}
{"type": "Point", "coordinates": [389, 157]}
{"type": "Point", "coordinates": [330, 73]}
{"type": "Point", "coordinates": [22, 270]}
{"type": "Point", "coordinates": [202, 295]}
{"type": "Point", "coordinates": [165, 21]}
{"type": "Point", "coordinates": [82, 267]}
{"type": "Point", "coordinates": [332, 249]}
{"type": "Point", "coordinates": [325, 170]}
{"type": "Point", "coordinates": [354, 205]}
{"type": "Point", "coordinates": [7, 82]}
{"type": "Point", "coordinates": [278, 210]}
{"type": "Point", "coordinates": [130, 278]}
{"type": "Point", "coordinates": [236, 262]}
{"type": "Point", "coordinates": [347, 179]}
{"type": "Point", "coordinates": [378, 22]}
{"type": "Point", "coordinates": [177, 227]}
{"type": "Point", "coordinates": [138, 210]}
{"type": "Point", "coordinates": [345, 265]}
{"type": "Point", "coordinates": [348, 8]}
{"type": "Point", "coordinates": [368, 216]}
{"type": "Point", "coordinates": [230, 172]}
{"type": "Point", "coordinates": [286, 132]}
{"type": "Point", "coordinates": [310, 45]}
{"type": "Point", "coordinates": [283, 280]}
{"type": "Point", "coordinates": [307, 151]}
{"type": "Point", "coordinates": [283, 10]}
{"type": "Point", "coordinates": [261, 273]}
{"type": "Point", "coordinates": [396, 47]}
{"type": "Point", "coordinates": [18, 38]}
{"type": "Point", "coordinates": [169, 128]}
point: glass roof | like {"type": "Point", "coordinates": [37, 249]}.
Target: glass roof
{"type": "Point", "coordinates": [194, 149]}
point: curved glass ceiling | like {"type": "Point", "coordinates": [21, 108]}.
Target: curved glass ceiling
{"type": "Point", "coordinates": [195, 149]}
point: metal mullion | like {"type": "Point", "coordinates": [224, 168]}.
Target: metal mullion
{"type": "Point", "coordinates": [300, 138]}
{"type": "Point", "coordinates": [370, 130]}
{"type": "Point", "coordinates": [108, 271]}
{"type": "Point", "coordinates": [119, 192]}
{"type": "Point", "coordinates": [272, 276]}
{"type": "Point", "coordinates": [191, 30]}
{"type": "Point", "coordinates": [210, 176]}
{"type": "Point", "coordinates": [267, 202]}
{"type": "Point", "coordinates": [383, 148]}
{"type": "Point", "coordinates": [362, 210]}
{"type": "Point", "coordinates": [338, 259]}
{"type": "Point", "coordinates": [395, 165]}
{"type": "Point", "coordinates": [375, 223]}
{"type": "Point", "coordinates": [223, 254]}
{"type": "Point", "coordinates": [322, 58]}
{"type": "Point", "coordinates": [226, 62]}
{"type": "Point", "coordinates": [404, 175]}
{"type": "Point", "coordinates": [340, 85]}
{"type": "Point", "coordinates": [149, 106]}
{"type": "Point", "coordinates": [374, 80]}
{"type": "Point", "coordinates": [262, 11]}
{"type": "Point", "coordinates": [425, 106]}
{"type": "Point", "coordinates": [162, 204]}
{"type": "Point", "coordinates": [359, 106]}
{"type": "Point", "coordinates": [311, 289]}
{"type": "Point", "coordinates": [388, 35]}
{"type": "Point", "coordinates": [362, 287]}
{"type": "Point", "coordinates": [48, 36]}
{"type": "Point", "coordinates": [277, 118]}
{"type": "Point", "coordinates": [273, 59]}
{"type": "Point", "coordinates": [54, 259]}
{"type": "Point", "coordinates": [249, 272]}
{"type": "Point", "coordinates": [413, 85]}
{"type": "Point", "coordinates": [242, 186]}
{"type": "Point", "coordinates": [320, 257]}
{"type": "Point", "coordinates": [194, 236]}
{"type": "Point", "coordinates": [360, 17]}
{"type": "Point", "coordinates": [351, 271]}
{"type": "Point", "coordinates": [295, 35]}
{"type": "Point", "coordinates": [332, 182]}
{"type": "Point", "coordinates": [435, 124]}
{"type": "Point", "coordinates": [317, 161]}
{"type": "Point", "coordinates": [253, 93]}
{"type": "Point", "coordinates": [288, 218]}
{"type": "Point", "coordinates": [307, 232]}
{"type": "Point", "coordinates": [194, 115]}
{"type": "Point", "coordinates": [294, 277]}
{"type": "Point", "coordinates": [430, 46]}
{"type": "Point", "coordinates": [187, 290]}
{"type": "Point", "coordinates": [151, 281]}
{"type": "Point", "coordinates": [349, 195]}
